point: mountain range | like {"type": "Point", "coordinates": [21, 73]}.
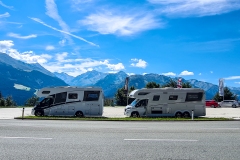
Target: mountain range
{"type": "Point", "coordinates": [21, 80]}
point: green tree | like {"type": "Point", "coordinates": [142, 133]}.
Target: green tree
{"type": "Point", "coordinates": [171, 83]}
{"type": "Point", "coordinates": [152, 85]}
{"type": "Point", "coordinates": [186, 85]}
{"type": "Point", "coordinates": [2, 100]}
{"type": "Point", "coordinates": [121, 97]}
{"type": "Point", "coordinates": [32, 101]}
{"type": "Point", "coordinates": [228, 95]}
{"type": "Point", "coordinates": [9, 101]}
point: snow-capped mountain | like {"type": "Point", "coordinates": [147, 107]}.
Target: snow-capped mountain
{"type": "Point", "coordinates": [87, 79]}
{"type": "Point", "coordinates": [20, 80]}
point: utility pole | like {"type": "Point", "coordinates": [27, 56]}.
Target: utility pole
{"type": "Point", "coordinates": [126, 87]}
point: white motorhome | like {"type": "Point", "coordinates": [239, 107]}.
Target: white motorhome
{"type": "Point", "coordinates": [166, 102]}
{"type": "Point", "coordinates": [69, 101]}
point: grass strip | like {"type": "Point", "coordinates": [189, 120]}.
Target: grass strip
{"type": "Point", "coordinates": [124, 118]}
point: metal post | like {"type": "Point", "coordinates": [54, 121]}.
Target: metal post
{"type": "Point", "coordinates": [23, 113]}
{"type": "Point", "coordinates": [192, 114]}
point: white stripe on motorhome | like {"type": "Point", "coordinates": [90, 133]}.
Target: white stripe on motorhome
{"type": "Point", "coordinates": [167, 140]}
{"type": "Point", "coordinates": [23, 138]}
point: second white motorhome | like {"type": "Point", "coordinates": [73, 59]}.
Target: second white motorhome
{"type": "Point", "coordinates": [167, 102]}
{"type": "Point", "coordinates": [69, 101]}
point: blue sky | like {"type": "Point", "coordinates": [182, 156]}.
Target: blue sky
{"type": "Point", "coordinates": [192, 39]}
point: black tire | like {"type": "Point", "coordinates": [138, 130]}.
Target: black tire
{"type": "Point", "coordinates": [186, 115]}
{"type": "Point", "coordinates": [79, 114]}
{"type": "Point", "coordinates": [134, 114]}
{"type": "Point", "coordinates": [234, 106]}
{"type": "Point", "coordinates": [38, 113]}
{"type": "Point", "coordinates": [212, 106]}
{"type": "Point", "coordinates": [178, 115]}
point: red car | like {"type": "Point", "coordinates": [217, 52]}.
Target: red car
{"type": "Point", "coordinates": [211, 103]}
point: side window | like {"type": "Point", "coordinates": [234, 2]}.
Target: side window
{"type": "Point", "coordinates": [91, 95]}
{"type": "Point", "coordinates": [194, 97]}
{"type": "Point", "coordinates": [61, 97]}
{"type": "Point", "coordinates": [143, 102]}
{"type": "Point", "coordinates": [72, 96]}
{"type": "Point", "coordinates": [156, 97]}
{"type": "Point", "coordinates": [45, 92]}
{"type": "Point", "coordinates": [47, 101]}
{"type": "Point", "coordinates": [173, 97]}
{"type": "Point", "coordinates": [143, 93]}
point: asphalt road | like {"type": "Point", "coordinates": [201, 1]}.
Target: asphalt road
{"type": "Point", "coordinates": [47, 139]}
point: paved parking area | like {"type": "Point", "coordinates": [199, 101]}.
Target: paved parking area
{"type": "Point", "coordinates": [10, 113]}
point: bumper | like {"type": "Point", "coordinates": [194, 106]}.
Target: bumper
{"type": "Point", "coordinates": [127, 112]}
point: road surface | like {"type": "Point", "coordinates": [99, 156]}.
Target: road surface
{"type": "Point", "coordinates": [60, 140]}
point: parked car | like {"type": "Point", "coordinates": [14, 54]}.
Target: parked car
{"type": "Point", "coordinates": [211, 103]}
{"type": "Point", "coordinates": [229, 103]}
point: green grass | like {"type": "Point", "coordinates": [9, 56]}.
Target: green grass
{"type": "Point", "coordinates": [124, 118]}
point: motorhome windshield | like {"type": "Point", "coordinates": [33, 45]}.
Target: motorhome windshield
{"type": "Point", "coordinates": [134, 102]}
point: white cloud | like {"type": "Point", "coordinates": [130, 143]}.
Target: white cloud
{"type": "Point", "coordinates": [138, 63]}
{"type": "Point", "coordinates": [29, 56]}
{"type": "Point", "coordinates": [237, 82]}
{"type": "Point", "coordinates": [130, 74]}
{"type": "Point", "coordinates": [5, 45]}
{"type": "Point", "coordinates": [232, 78]}
{"type": "Point", "coordinates": [50, 47]}
{"type": "Point", "coordinates": [169, 74]}
{"type": "Point", "coordinates": [79, 5]}
{"type": "Point", "coordinates": [211, 72]}
{"type": "Point", "coordinates": [200, 74]}
{"type": "Point", "coordinates": [186, 73]}
{"type": "Point", "coordinates": [52, 11]}
{"type": "Point", "coordinates": [75, 67]}
{"type": "Point", "coordinates": [195, 7]}
{"type": "Point", "coordinates": [21, 37]}
{"type": "Point", "coordinates": [62, 42]}
{"type": "Point", "coordinates": [115, 67]}
{"type": "Point", "coordinates": [9, 7]}
{"type": "Point", "coordinates": [41, 22]}
{"type": "Point", "coordinates": [61, 57]}
{"type": "Point", "coordinates": [4, 15]}
{"type": "Point", "coordinates": [123, 24]}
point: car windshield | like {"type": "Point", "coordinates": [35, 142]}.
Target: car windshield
{"type": "Point", "coordinates": [134, 102]}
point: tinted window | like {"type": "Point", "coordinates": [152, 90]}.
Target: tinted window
{"type": "Point", "coordinates": [91, 95]}
{"type": "Point", "coordinates": [61, 97]}
{"type": "Point", "coordinates": [143, 93]}
{"type": "Point", "coordinates": [156, 97]}
{"type": "Point", "coordinates": [72, 96]}
{"type": "Point", "coordinates": [46, 102]}
{"type": "Point", "coordinates": [194, 96]}
{"type": "Point", "coordinates": [173, 97]}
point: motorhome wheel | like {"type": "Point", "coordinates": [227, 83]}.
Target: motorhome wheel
{"type": "Point", "coordinates": [186, 115]}
{"type": "Point", "coordinates": [178, 115]}
{"type": "Point", "coordinates": [134, 114]}
{"type": "Point", "coordinates": [38, 113]}
{"type": "Point", "coordinates": [79, 114]}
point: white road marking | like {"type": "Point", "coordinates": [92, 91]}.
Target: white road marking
{"type": "Point", "coordinates": [166, 140]}
{"type": "Point", "coordinates": [23, 138]}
